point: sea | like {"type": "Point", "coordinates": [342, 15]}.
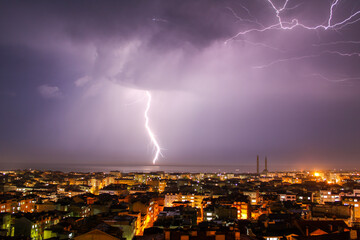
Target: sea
{"type": "Point", "coordinates": [134, 168]}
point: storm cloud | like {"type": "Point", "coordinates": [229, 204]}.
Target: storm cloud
{"type": "Point", "coordinates": [74, 75]}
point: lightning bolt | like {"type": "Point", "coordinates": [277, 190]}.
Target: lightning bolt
{"type": "Point", "coordinates": [240, 19]}
{"type": "Point", "coordinates": [260, 44]}
{"type": "Point", "coordinates": [285, 25]}
{"type": "Point", "coordinates": [335, 43]}
{"type": "Point", "coordinates": [149, 131]}
{"type": "Point", "coordinates": [346, 79]}
{"type": "Point", "coordinates": [353, 54]}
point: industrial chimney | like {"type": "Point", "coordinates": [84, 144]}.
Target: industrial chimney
{"type": "Point", "coordinates": [266, 169]}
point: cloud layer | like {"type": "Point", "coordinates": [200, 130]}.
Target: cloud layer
{"type": "Point", "coordinates": [48, 91]}
{"type": "Point", "coordinates": [275, 93]}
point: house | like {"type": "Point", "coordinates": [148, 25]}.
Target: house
{"type": "Point", "coordinates": [96, 235]}
{"type": "Point", "coordinates": [327, 229]}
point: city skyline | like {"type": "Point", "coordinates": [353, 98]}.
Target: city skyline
{"type": "Point", "coordinates": [229, 80]}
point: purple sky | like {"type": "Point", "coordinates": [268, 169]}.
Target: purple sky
{"type": "Point", "coordinates": [73, 77]}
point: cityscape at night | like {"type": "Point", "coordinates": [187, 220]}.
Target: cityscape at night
{"type": "Point", "coordinates": [180, 119]}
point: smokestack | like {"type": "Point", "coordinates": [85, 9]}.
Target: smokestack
{"type": "Point", "coordinates": [266, 169]}
{"type": "Point", "coordinates": [257, 164]}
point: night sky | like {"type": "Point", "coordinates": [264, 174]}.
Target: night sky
{"type": "Point", "coordinates": [227, 82]}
